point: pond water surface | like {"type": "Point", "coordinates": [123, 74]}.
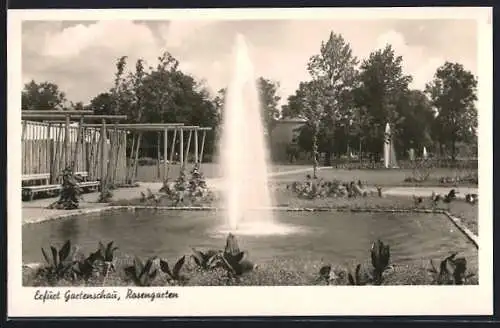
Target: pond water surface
{"type": "Point", "coordinates": [333, 236]}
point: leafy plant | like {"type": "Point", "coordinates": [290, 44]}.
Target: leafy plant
{"type": "Point", "coordinates": [203, 259]}
{"type": "Point", "coordinates": [355, 279]}
{"type": "Point", "coordinates": [142, 273]}
{"type": "Point", "coordinates": [85, 268]}
{"type": "Point", "coordinates": [59, 264]}
{"type": "Point", "coordinates": [69, 197]}
{"type": "Point", "coordinates": [452, 271]}
{"type": "Point", "coordinates": [174, 274]}
{"type": "Point", "coordinates": [107, 254]}
{"type": "Point", "coordinates": [88, 266]}
{"type": "Point", "coordinates": [232, 259]}
{"type": "Point", "coordinates": [106, 195]}
{"type": "Point", "coordinates": [380, 254]}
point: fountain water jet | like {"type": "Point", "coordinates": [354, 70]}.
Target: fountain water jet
{"type": "Point", "coordinates": [243, 152]}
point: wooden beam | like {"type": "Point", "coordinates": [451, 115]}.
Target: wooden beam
{"type": "Point", "coordinates": [62, 112]}
{"type": "Point", "coordinates": [62, 116]}
{"type": "Point", "coordinates": [150, 126]}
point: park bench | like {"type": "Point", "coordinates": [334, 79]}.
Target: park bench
{"type": "Point", "coordinates": [84, 175]}
{"type": "Point", "coordinates": [42, 177]}
{"type": "Point", "coordinates": [89, 186]}
{"type": "Point", "coordinates": [30, 191]}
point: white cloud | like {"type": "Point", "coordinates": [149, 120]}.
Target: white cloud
{"type": "Point", "coordinates": [81, 58]}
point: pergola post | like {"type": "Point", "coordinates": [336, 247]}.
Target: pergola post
{"type": "Point", "coordinates": [172, 152]}
{"type": "Point", "coordinates": [165, 153]}
{"type": "Point", "coordinates": [188, 146]}
{"type": "Point", "coordinates": [78, 141]}
{"type": "Point", "coordinates": [196, 147]}
{"type": "Point", "coordinates": [103, 144]}
{"type": "Point", "coordinates": [202, 145]}
{"type": "Point", "coordinates": [66, 142]}
{"type": "Point", "coordinates": [49, 158]}
{"type": "Point", "coordinates": [181, 150]}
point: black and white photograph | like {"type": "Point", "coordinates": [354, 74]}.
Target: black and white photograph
{"type": "Point", "coordinates": [333, 155]}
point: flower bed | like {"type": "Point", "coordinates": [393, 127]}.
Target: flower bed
{"type": "Point", "coordinates": [68, 267]}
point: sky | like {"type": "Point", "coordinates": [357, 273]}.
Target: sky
{"type": "Point", "coordinates": [80, 56]}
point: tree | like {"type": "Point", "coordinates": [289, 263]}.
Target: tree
{"type": "Point", "coordinates": [102, 104]}
{"type": "Point", "coordinates": [293, 108]}
{"type": "Point", "coordinates": [42, 96]}
{"type": "Point", "coordinates": [269, 100]}
{"type": "Point", "coordinates": [415, 128]}
{"type": "Point", "coordinates": [382, 84]}
{"type": "Point", "coordinates": [219, 102]}
{"type": "Point", "coordinates": [453, 95]}
{"type": "Point", "coordinates": [335, 68]}
{"type": "Point", "coordinates": [313, 105]}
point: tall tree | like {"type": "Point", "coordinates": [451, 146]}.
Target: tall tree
{"type": "Point", "coordinates": [269, 100]}
{"type": "Point", "coordinates": [293, 108]}
{"type": "Point", "coordinates": [453, 94]}
{"type": "Point", "coordinates": [335, 68]}
{"type": "Point", "coordinates": [219, 101]}
{"type": "Point", "coordinates": [42, 96]}
{"type": "Point", "coordinates": [313, 105]}
{"type": "Point", "coordinates": [382, 84]}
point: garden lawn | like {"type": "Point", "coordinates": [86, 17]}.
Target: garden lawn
{"type": "Point", "coordinates": [148, 173]}
{"type": "Point", "coordinates": [380, 177]}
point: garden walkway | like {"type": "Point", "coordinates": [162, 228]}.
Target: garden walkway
{"type": "Point", "coordinates": [36, 210]}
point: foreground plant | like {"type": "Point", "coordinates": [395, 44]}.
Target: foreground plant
{"type": "Point", "coordinates": [452, 271]}
{"type": "Point", "coordinates": [380, 254]}
{"type": "Point", "coordinates": [328, 276]}
{"type": "Point", "coordinates": [100, 261]}
{"type": "Point", "coordinates": [59, 263]}
{"type": "Point", "coordinates": [232, 259]}
{"type": "Point", "coordinates": [203, 259]}
{"type": "Point", "coordinates": [355, 278]}
{"type": "Point", "coordinates": [142, 273]}
{"type": "Point", "coordinates": [85, 268]}
{"type": "Point", "coordinates": [175, 273]}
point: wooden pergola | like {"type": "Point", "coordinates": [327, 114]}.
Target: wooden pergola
{"type": "Point", "coordinates": [105, 123]}
{"type": "Point", "coordinates": [65, 117]}
{"type": "Point", "coordinates": [164, 128]}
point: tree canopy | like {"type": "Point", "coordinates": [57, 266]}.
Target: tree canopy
{"type": "Point", "coordinates": [346, 102]}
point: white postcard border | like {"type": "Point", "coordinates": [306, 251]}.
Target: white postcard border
{"type": "Point", "coordinates": [244, 301]}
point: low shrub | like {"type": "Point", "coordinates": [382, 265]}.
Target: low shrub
{"type": "Point", "coordinates": [70, 195]}
{"type": "Point", "coordinates": [188, 190]}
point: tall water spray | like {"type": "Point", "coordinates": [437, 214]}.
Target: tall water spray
{"type": "Point", "coordinates": [243, 151]}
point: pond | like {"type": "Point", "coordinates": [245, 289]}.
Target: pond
{"type": "Point", "coordinates": [337, 237]}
